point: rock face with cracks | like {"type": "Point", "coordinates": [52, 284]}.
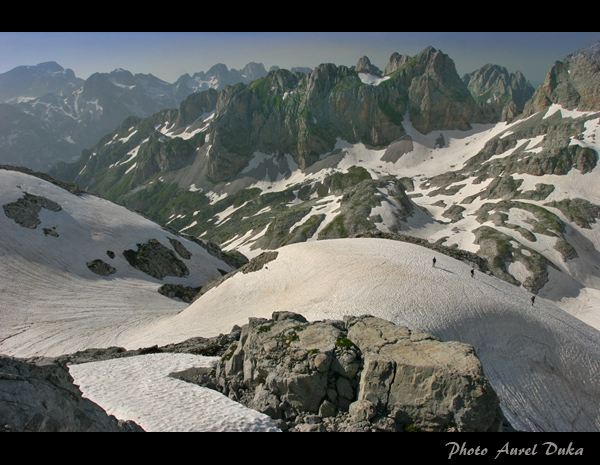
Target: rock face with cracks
{"type": "Point", "coordinates": [39, 396]}
{"type": "Point", "coordinates": [360, 374]}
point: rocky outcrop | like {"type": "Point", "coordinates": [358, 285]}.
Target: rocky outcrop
{"type": "Point", "coordinates": [357, 202]}
{"type": "Point", "coordinates": [179, 291]}
{"type": "Point", "coordinates": [25, 211]}
{"type": "Point", "coordinates": [499, 251]}
{"type": "Point", "coordinates": [360, 374]}
{"type": "Point", "coordinates": [180, 249]}
{"type": "Point", "coordinates": [156, 260]}
{"type": "Point", "coordinates": [364, 65]}
{"type": "Point", "coordinates": [100, 267]}
{"type": "Point", "coordinates": [579, 211]}
{"type": "Point", "coordinates": [40, 397]}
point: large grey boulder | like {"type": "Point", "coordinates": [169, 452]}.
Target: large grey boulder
{"type": "Point", "coordinates": [360, 374]}
{"type": "Point", "coordinates": [417, 379]}
{"type": "Point", "coordinates": [39, 396]}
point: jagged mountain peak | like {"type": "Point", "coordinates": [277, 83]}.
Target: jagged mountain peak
{"type": "Point", "coordinates": [591, 52]}
{"type": "Point", "coordinates": [253, 69]}
{"type": "Point", "coordinates": [499, 92]}
{"type": "Point", "coordinates": [48, 67]}
{"type": "Point", "coordinates": [572, 83]}
{"type": "Point", "coordinates": [427, 55]}
{"type": "Point", "coordinates": [437, 61]}
{"type": "Point", "coordinates": [120, 71]}
{"type": "Point", "coordinates": [364, 65]}
{"type": "Point", "coordinates": [35, 81]}
{"type": "Point", "coordinates": [216, 70]}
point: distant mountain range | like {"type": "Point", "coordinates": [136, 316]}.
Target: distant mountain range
{"type": "Point", "coordinates": [47, 114]}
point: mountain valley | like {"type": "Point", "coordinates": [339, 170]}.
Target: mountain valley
{"type": "Point", "coordinates": [169, 212]}
{"type": "Point", "coordinates": [340, 152]}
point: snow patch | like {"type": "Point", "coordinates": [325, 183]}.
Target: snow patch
{"type": "Point", "coordinates": [140, 389]}
{"type": "Point", "coordinates": [535, 357]}
{"type": "Point", "coordinates": [372, 79]}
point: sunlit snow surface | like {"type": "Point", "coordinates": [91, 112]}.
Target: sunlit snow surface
{"type": "Point", "coordinates": [543, 362]}
{"type": "Point", "coordinates": [140, 389]}
{"type": "Point", "coordinates": [50, 301]}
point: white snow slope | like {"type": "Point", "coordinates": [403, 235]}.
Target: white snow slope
{"type": "Point", "coordinates": [140, 389]}
{"type": "Point", "coordinates": [50, 301]}
{"type": "Point", "coordinates": [543, 362]}
{"type": "Point", "coordinates": [574, 284]}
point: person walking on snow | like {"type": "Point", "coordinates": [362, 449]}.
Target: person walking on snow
{"type": "Point", "coordinates": [434, 262]}
{"type": "Point", "coordinates": [532, 300]}
{"type": "Point", "coordinates": [472, 272]}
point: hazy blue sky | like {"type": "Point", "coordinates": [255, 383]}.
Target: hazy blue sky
{"type": "Point", "coordinates": [168, 55]}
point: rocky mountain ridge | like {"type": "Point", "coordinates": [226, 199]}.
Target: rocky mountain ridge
{"type": "Point", "coordinates": [343, 151]}
{"type": "Point", "coordinates": [571, 83]}
{"type": "Point", "coordinates": [49, 115]}
{"type": "Point", "coordinates": [27, 82]}
{"type": "Point", "coordinates": [59, 115]}
{"type": "Point", "coordinates": [304, 116]}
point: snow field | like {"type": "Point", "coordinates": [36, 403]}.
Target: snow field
{"type": "Point", "coordinates": [51, 303]}
{"type": "Point", "coordinates": [543, 363]}
{"type": "Point", "coordinates": [140, 389]}
{"type": "Point", "coordinates": [579, 277]}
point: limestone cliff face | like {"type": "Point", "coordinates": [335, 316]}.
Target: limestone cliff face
{"type": "Point", "coordinates": [305, 115]}
{"type": "Point", "coordinates": [499, 93]}
{"type": "Point", "coordinates": [572, 83]}
{"type": "Point", "coordinates": [438, 99]}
